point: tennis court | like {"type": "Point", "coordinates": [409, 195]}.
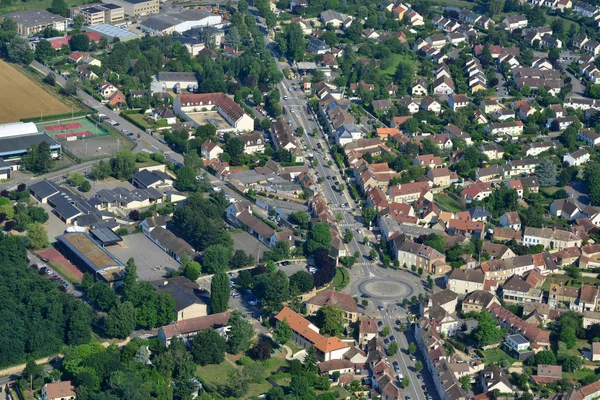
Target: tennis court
{"type": "Point", "coordinates": [81, 128]}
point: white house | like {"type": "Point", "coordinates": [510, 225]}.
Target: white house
{"type": "Point", "coordinates": [347, 133]}
{"type": "Point", "coordinates": [577, 158]}
{"type": "Point", "coordinates": [187, 104]}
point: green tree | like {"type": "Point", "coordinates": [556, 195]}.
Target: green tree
{"type": "Point", "coordinates": [245, 279]}
{"type": "Point", "coordinates": [386, 331]}
{"type": "Point", "coordinates": [186, 179]}
{"type": "Point", "coordinates": [546, 172]}
{"type": "Point", "coordinates": [123, 165]}
{"type": "Point", "coordinates": [404, 74]}
{"type": "Point", "coordinates": [301, 282]}
{"type": "Point", "coordinates": [79, 42]}
{"type": "Point", "coordinates": [319, 237]}
{"type": "Point", "coordinates": [465, 382]}
{"type": "Point", "coordinates": [368, 215]}
{"type": "Point", "coordinates": [76, 179]}
{"type": "Point", "coordinates": [295, 43]}
{"type": "Point", "coordinates": [216, 258]}
{"type": "Point", "coordinates": [192, 270]}
{"type": "Point", "coordinates": [348, 236]}
{"type": "Point", "coordinates": [300, 218]}
{"type": "Point", "coordinates": [272, 288]}
{"type": "Point", "coordinates": [78, 23]}
{"type": "Point", "coordinates": [331, 320]}
{"type": "Point", "coordinates": [86, 186]}
{"type": "Point", "coordinates": [208, 347]}
{"type": "Point", "coordinates": [487, 331]}
{"type": "Point", "coordinates": [219, 293]}
{"type": "Point", "coordinates": [44, 50]}
{"type": "Point", "coordinates": [405, 382]}
{"type": "Point", "coordinates": [435, 241]}
{"type": "Point", "coordinates": [418, 366]}
{"type": "Point", "coordinates": [392, 349]}
{"type": "Point", "coordinates": [121, 320]}
{"type": "Point", "coordinates": [283, 333]}
{"type": "Point", "coordinates": [37, 237]}
{"type": "Point", "coordinates": [59, 7]}
{"type": "Point", "coordinates": [412, 349]}
{"type": "Point", "coordinates": [241, 333]}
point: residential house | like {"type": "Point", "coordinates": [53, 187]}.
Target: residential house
{"type": "Point", "coordinates": [430, 104]}
{"type": "Point", "coordinates": [514, 22]}
{"type": "Point", "coordinates": [478, 300]}
{"type": "Point", "coordinates": [443, 86]}
{"type": "Point", "coordinates": [511, 219]}
{"type": "Point", "coordinates": [516, 290]}
{"type": "Point", "coordinates": [590, 137]}
{"type": "Point", "coordinates": [58, 391]}
{"type": "Point", "coordinates": [332, 298]}
{"type": "Point", "coordinates": [457, 101]}
{"type": "Point", "coordinates": [539, 339]}
{"type": "Point", "coordinates": [477, 191]}
{"type": "Point", "coordinates": [187, 295]}
{"type": "Point", "coordinates": [512, 128]}
{"type": "Point", "coordinates": [442, 177]}
{"type": "Point", "coordinates": [210, 150]}
{"type": "Point", "coordinates": [566, 208]}
{"type": "Point", "coordinates": [577, 158]}
{"type": "Point", "coordinates": [428, 160]}
{"type": "Point", "coordinates": [367, 330]}
{"type": "Point", "coordinates": [419, 88]}
{"type": "Point", "coordinates": [464, 281]}
{"type": "Point", "coordinates": [419, 255]}
{"type": "Point", "coordinates": [550, 238]}
{"type": "Point", "coordinates": [190, 327]}
{"type": "Point", "coordinates": [306, 334]}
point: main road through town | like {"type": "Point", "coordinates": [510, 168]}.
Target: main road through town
{"type": "Point", "coordinates": [386, 288]}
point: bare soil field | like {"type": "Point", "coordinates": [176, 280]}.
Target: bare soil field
{"type": "Point", "coordinates": [23, 98]}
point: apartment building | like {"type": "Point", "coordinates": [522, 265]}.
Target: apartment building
{"type": "Point", "coordinates": [465, 281]}
{"type": "Point", "coordinates": [550, 238]}
{"type": "Point", "coordinates": [138, 8]}
{"type": "Point", "coordinates": [32, 22]}
{"type": "Point", "coordinates": [94, 14]}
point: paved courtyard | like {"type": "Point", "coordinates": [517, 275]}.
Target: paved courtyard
{"type": "Point", "coordinates": [151, 261]}
{"type": "Point", "coordinates": [248, 243]}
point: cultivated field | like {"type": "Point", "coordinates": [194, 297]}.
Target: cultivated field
{"type": "Point", "coordinates": [22, 98]}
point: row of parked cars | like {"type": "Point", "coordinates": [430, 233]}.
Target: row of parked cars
{"type": "Point", "coordinates": [53, 276]}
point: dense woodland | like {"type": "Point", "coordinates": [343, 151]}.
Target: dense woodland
{"type": "Point", "coordinates": [36, 318]}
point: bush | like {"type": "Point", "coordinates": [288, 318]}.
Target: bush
{"type": "Point", "coordinates": [122, 231]}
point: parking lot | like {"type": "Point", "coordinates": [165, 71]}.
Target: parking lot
{"type": "Point", "coordinates": [151, 261]}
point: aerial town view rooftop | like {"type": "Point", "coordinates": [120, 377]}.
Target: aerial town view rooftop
{"type": "Point", "coordinates": [300, 200]}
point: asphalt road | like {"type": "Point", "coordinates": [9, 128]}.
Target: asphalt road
{"type": "Point", "coordinates": [144, 142]}
{"type": "Point", "coordinates": [365, 269]}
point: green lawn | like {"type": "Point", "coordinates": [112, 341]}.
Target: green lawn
{"type": "Point", "coordinates": [447, 203]}
{"type": "Point", "coordinates": [496, 355]}
{"type": "Point", "coordinates": [562, 279]}
{"type": "Point", "coordinates": [456, 3]}
{"type": "Point", "coordinates": [341, 279]}
{"type": "Point", "coordinates": [142, 119]}
{"type": "Point", "coordinates": [35, 5]}
{"type": "Point", "coordinates": [397, 58]}
{"type": "Point", "coordinates": [218, 374]}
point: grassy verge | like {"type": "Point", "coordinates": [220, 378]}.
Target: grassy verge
{"type": "Point", "coordinates": [65, 272]}
{"type": "Point", "coordinates": [455, 3]}
{"type": "Point", "coordinates": [341, 279]}
{"type": "Point", "coordinates": [448, 202]}
{"type": "Point", "coordinates": [35, 5]}
{"type": "Point", "coordinates": [216, 375]}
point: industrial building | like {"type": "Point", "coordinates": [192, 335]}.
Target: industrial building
{"type": "Point", "coordinates": [112, 32]}
{"type": "Point", "coordinates": [17, 137]}
{"type": "Point", "coordinates": [90, 256]}
{"type": "Point", "coordinates": [138, 8]}
{"type": "Point", "coordinates": [166, 24]}
{"type": "Point", "coordinates": [34, 21]}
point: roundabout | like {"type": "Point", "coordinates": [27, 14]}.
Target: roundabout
{"type": "Point", "coordinates": [388, 288]}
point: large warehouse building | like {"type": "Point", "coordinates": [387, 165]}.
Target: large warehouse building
{"type": "Point", "coordinates": [90, 256]}
{"type": "Point", "coordinates": [167, 24]}
{"type": "Point", "coordinates": [17, 137]}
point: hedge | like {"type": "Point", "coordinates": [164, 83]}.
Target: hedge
{"type": "Point", "coordinates": [55, 117]}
